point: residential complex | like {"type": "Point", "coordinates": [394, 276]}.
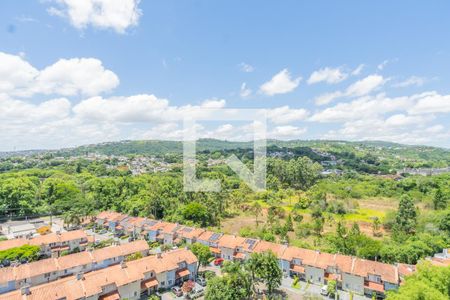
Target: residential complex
{"type": "Point", "coordinates": [126, 280]}
{"type": "Point", "coordinates": [51, 269]}
{"type": "Point", "coordinates": [351, 274]}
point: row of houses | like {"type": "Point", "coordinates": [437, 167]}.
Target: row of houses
{"type": "Point", "coordinates": [53, 244]}
{"type": "Point", "coordinates": [127, 280]}
{"type": "Point", "coordinates": [51, 269]}
{"type": "Point", "coordinates": [352, 274]}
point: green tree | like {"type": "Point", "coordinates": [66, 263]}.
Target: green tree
{"type": "Point", "coordinates": [429, 282]}
{"type": "Point", "coordinates": [221, 288]}
{"type": "Point", "coordinates": [256, 209]}
{"type": "Point", "coordinates": [439, 200]}
{"type": "Point", "coordinates": [406, 218]}
{"type": "Point", "coordinates": [331, 288]}
{"type": "Point", "coordinates": [71, 218]}
{"type": "Point", "coordinates": [197, 213]}
{"type": "Point", "coordinates": [265, 267]}
{"type": "Point", "coordinates": [203, 254]}
{"type": "Point", "coordinates": [289, 224]}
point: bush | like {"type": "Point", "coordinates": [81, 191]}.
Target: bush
{"type": "Point", "coordinates": [25, 252]}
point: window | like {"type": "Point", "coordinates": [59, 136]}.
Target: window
{"type": "Point", "coordinates": [170, 282]}
{"type": "Point", "coordinates": [163, 283]}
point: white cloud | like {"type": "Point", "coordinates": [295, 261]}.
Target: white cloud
{"type": "Point", "coordinates": [247, 68]}
{"type": "Point", "coordinates": [282, 132]}
{"type": "Point", "coordinates": [360, 88]}
{"type": "Point", "coordinates": [132, 109]}
{"type": "Point", "coordinates": [103, 14]}
{"type": "Point", "coordinates": [358, 70]}
{"type": "Point", "coordinates": [213, 103]}
{"type": "Point", "coordinates": [365, 107]}
{"type": "Point", "coordinates": [66, 77]}
{"type": "Point", "coordinates": [280, 83]}
{"type": "Point", "coordinates": [430, 102]}
{"type": "Point", "coordinates": [77, 75]}
{"type": "Point", "coordinates": [328, 75]}
{"type": "Point", "coordinates": [404, 120]}
{"type": "Point", "coordinates": [383, 65]}
{"type": "Point", "coordinates": [413, 80]}
{"type": "Point", "coordinates": [245, 91]}
{"type": "Point", "coordinates": [328, 97]}
{"type": "Point", "coordinates": [285, 115]}
{"type": "Point", "coordinates": [365, 85]}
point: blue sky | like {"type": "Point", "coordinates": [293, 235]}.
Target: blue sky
{"type": "Point", "coordinates": [77, 72]}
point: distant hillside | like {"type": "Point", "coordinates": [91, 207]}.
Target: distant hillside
{"type": "Point", "coordinates": [393, 152]}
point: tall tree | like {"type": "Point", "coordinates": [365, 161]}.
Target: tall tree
{"type": "Point", "coordinates": [203, 254]}
{"type": "Point", "coordinates": [256, 209]}
{"type": "Point", "coordinates": [266, 268]}
{"type": "Point", "coordinates": [439, 200]}
{"type": "Point", "coordinates": [406, 218]}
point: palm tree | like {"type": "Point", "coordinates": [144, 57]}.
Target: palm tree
{"type": "Point", "coordinates": [71, 218]}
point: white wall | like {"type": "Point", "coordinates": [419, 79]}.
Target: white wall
{"type": "Point", "coordinates": [352, 283]}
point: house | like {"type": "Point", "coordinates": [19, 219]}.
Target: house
{"type": "Point", "coordinates": [440, 259]}
{"type": "Point", "coordinates": [368, 277]}
{"type": "Point", "coordinates": [189, 234]}
{"type": "Point", "coordinates": [299, 262]}
{"type": "Point", "coordinates": [210, 239]}
{"type": "Point", "coordinates": [169, 233]}
{"type": "Point", "coordinates": [330, 267]}
{"type": "Point", "coordinates": [228, 246]}
{"type": "Point", "coordinates": [155, 233]}
{"type": "Point", "coordinates": [277, 249]}
{"type": "Point", "coordinates": [127, 280]}
{"type": "Point", "coordinates": [51, 269]}
{"type": "Point", "coordinates": [110, 220]}
{"type": "Point", "coordinates": [54, 243]}
{"type": "Point", "coordinates": [26, 230]}
{"type": "Point", "coordinates": [235, 247]}
{"type": "Point", "coordinates": [133, 226]}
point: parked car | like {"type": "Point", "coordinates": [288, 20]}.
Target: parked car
{"type": "Point", "coordinates": [196, 293]}
{"type": "Point", "coordinates": [218, 261]}
{"type": "Point", "coordinates": [324, 290]}
{"type": "Point", "coordinates": [177, 291]}
{"type": "Point", "coordinates": [201, 281]}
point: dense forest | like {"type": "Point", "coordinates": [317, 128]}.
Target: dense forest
{"type": "Point", "coordinates": [301, 206]}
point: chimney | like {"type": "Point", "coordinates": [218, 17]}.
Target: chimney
{"type": "Point", "coordinates": [158, 253]}
{"type": "Point", "coordinates": [123, 264]}
{"type": "Point", "coordinates": [80, 276]}
{"type": "Point", "coordinates": [25, 290]}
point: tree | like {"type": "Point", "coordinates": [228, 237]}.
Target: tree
{"type": "Point", "coordinates": [220, 288]}
{"type": "Point", "coordinates": [203, 254]}
{"type": "Point", "coordinates": [25, 252]}
{"type": "Point", "coordinates": [289, 224]}
{"type": "Point", "coordinates": [406, 218]}
{"type": "Point", "coordinates": [331, 288]}
{"type": "Point", "coordinates": [376, 224]}
{"type": "Point", "coordinates": [429, 282]}
{"type": "Point", "coordinates": [256, 209]}
{"type": "Point", "coordinates": [197, 213]}
{"type": "Point", "coordinates": [265, 267]}
{"type": "Point", "coordinates": [71, 218]}
{"type": "Point", "coordinates": [439, 200]}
